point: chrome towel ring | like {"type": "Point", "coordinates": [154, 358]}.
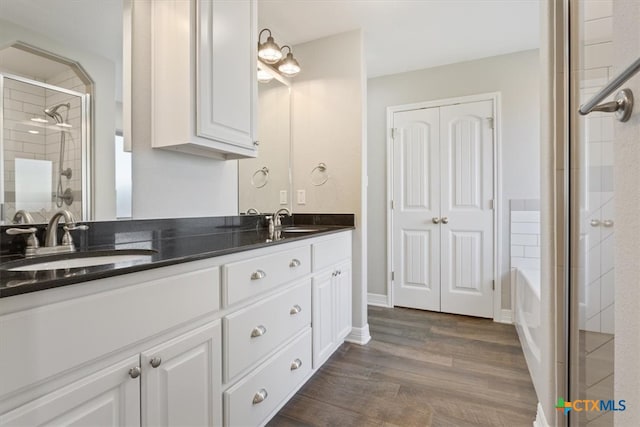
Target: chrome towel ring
{"type": "Point", "coordinates": [319, 174]}
{"type": "Point", "coordinates": [260, 173]}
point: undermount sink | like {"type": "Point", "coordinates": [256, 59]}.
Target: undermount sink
{"type": "Point", "coordinates": [80, 259]}
{"type": "Point", "coordinates": [294, 229]}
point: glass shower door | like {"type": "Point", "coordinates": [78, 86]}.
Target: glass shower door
{"type": "Point", "coordinates": [597, 56]}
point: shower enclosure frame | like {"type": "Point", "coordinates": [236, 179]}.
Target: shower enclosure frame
{"type": "Point", "coordinates": [85, 134]}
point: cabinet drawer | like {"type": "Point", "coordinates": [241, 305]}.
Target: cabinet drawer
{"type": "Point", "coordinates": [331, 251]}
{"type": "Point", "coordinates": [255, 331]}
{"type": "Point", "coordinates": [254, 398]}
{"type": "Point", "coordinates": [244, 279]}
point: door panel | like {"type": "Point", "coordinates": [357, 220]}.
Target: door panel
{"type": "Point", "coordinates": [466, 172]}
{"type": "Point", "coordinates": [416, 193]}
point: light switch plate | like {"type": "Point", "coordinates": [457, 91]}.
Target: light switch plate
{"type": "Point", "coordinates": [283, 197]}
{"type": "Point", "coordinates": [302, 197]}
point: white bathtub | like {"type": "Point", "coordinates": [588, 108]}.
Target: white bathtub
{"type": "Point", "coordinates": [527, 315]}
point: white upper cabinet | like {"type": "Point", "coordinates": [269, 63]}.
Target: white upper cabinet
{"type": "Point", "coordinates": [204, 86]}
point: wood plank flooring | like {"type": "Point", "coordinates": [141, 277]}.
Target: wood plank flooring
{"type": "Point", "coordinates": [420, 369]}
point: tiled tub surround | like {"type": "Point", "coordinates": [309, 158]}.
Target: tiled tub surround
{"type": "Point", "coordinates": [175, 241]}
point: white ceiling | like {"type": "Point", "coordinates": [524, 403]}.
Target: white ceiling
{"type": "Point", "coordinates": [405, 35]}
{"type": "Point", "coordinates": [93, 25]}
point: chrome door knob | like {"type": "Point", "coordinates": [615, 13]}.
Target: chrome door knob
{"type": "Point", "coordinates": [595, 222]}
{"type": "Point", "coordinates": [607, 223]}
{"type": "Point", "coordinates": [294, 263]}
{"type": "Point", "coordinates": [155, 362]}
{"type": "Point", "coordinates": [296, 364]}
{"type": "Point", "coordinates": [445, 220]}
{"type": "Point", "coordinates": [134, 372]}
{"type": "Point", "coordinates": [258, 274]}
{"type": "Point", "coordinates": [295, 309]}
{"type": "Point", "coordinates": [435, 220]}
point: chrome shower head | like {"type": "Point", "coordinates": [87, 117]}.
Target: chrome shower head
{"type": "Point", "coordinates": [53, 112]}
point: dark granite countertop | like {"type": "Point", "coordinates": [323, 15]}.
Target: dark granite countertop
{"type": "Point", "coordinates": [173, 241]}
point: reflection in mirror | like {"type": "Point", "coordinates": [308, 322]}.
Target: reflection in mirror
{"type": "Point", "coordinates": [53, 53]}
{"type": "Point", "coordinates": [44, 135]}
{"type": "Point", "coordinates": [264, 183]}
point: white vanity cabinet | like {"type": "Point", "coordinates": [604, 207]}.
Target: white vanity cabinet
{"type": "Point", "coordinates": [181, 380]}
{"type": "Point", "coordinates": [203, 77]}
{"type": "Point", "coordinates": [107, 397]}
{"type": "Point", "coordinates": [221, 341]}
{"type": "Point", "coordinates": [331, 296]}
{"type": "Point", "coordinates": [99, 352]}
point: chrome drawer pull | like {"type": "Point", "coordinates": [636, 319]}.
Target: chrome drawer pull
{"type": "Point", "coordinates": [296, 364]}
{"type": "Point", "coordinates": [155, 362]}
{"type": "Point", "coordinates": [258, 331]}
{"type": "Point", "coordinates": [260, 396]}
{"type": "Point", "coordinates": [258, 274]}
{"type": "Point", "coordinates": [294, 263]}
{"type": "Point", "coordinates": [295, 309]}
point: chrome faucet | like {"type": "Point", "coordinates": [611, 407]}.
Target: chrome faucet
{"type": "Point", "coordinates": [22, 217]}
{"type": "Point", "coordinates": [51, 234]}
{"type": "Point", "coordinates": [276, 216]}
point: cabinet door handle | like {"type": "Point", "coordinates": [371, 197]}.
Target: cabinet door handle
{"type": "Point", "coordinates": [435, 220]}
{"type": "Point", "coordinates": [595, 222]}
{"type": "Point", "coordinates": [258, 274]}
{"type": "Point", "coordinates": [258, 331]}
{"type": "Point", "coordinates": [339, 272]}
{"type": "Point", "coordinates": [134, 372]}
{"type": "Point", "coordinates": [155, 362]}
{"type": "Point", "coordinates": [295, 309]}
{"type": "Point", "coordinates": [607, 223]}
{"type": "Point", "coordinates": [260, 396]}
{"type": "Point", "coordinates": [296, 364]}
{"type": "Point", "coordinates": [294, 263]}
{"type": "Point", "coordinates": [445, 220]}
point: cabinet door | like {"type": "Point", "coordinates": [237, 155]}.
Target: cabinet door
{"type": "Point", "coordinates": [343, 301]}
{"type": "Point", "coordinates": [110, 397]}
{"type": "Point", "coordinates": [181, 380]}
{"type": "Point", "coordinates": [226, 79]}
{"type": "Point", "coordinates": [323, 322]}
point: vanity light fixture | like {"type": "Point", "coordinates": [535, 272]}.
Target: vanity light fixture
{"type": "Point", "coordinates": [268, 51]}
{"type": "Point", "coordinates": [289, 66]}
{"type": "Point", "coordinates": [263, 76]}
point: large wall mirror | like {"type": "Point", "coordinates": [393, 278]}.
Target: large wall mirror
{"type": "Point", "coordinates": [264, 183]}
{"type": "Point", "coordinates": [61, 76]}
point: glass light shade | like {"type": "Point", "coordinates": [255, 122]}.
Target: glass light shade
{"type": "Point", "coordinates": [269, 51]}
{"type": "Point", "coordinates": [264, 77]}
{"type": "Point", "coordinates": [289, 66]}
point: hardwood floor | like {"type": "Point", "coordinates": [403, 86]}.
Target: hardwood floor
{"type": "Point", "coordinates": [420, 369]}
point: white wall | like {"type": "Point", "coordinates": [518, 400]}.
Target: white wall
{"type": "Point", "coordinates": [327, 126]}
{"type": "Point", "coordinates": [516, 77]}
{"type": "Point", "coordinates": [626, 37]}
{"type": "Point", "coordinates": [102, 72]}
{"type": "Point", "coordinates": [166, 183]}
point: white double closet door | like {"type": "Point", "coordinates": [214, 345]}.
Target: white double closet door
{"type": "Point", "coordinates": [442, 217]}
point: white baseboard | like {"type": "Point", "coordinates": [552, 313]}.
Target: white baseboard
{"type": "Point", "coordinates": [541, 420]}
{"type": "Point", "coordinates": [379, 300]}
{"type": "Point", "coordinates": [506, 316]}
{"type": "Point", "coordinates": [359, 335]}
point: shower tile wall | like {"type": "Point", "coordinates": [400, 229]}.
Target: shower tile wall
{"type": "Point", "coordinates": [597, 216]}
{"type": "Point", "coordinates": [23, 101]}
